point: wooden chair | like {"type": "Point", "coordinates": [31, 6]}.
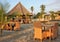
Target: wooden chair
{"type": "Point", "coordinates": [55, 30]}
{"type": "Point", "coordinates": [17, 26]}
{"type": "Point", "coordinates": [39, 33]}
{"type": "Point", "coordinates": [7, 26]}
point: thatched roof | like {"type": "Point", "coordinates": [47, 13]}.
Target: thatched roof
{"type": "Point", "coordinates": [20, 9]}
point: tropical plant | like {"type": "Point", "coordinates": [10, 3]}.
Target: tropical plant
{"type": "Point", "coordinates": [37, 15]}
{"type": "Point", "coordinates": [58, 12]}
{"type": "Point", "coordinates": [52, 15]}
{"type": "Point", "coordinates": [3, 11]}
{"type": "Point", "coordinates": [42, 10]}
{"type": "Point", "coordinates": [32, 9]}
{"type": "Point", "coordinates": [13, 15]}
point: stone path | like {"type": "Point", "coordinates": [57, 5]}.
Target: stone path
{"type": "Point", "coordinates": [25, 35]}
{"type": "Point", "coordinates": [12, 37]}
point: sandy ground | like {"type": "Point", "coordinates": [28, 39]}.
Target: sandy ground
{"type": "Point", "coordinates": [24, 35]}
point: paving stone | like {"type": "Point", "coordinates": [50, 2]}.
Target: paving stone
{"type": "Point", "coordinates": [26, 37]}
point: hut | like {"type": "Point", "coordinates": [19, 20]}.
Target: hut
{"type": "Point", "coordinates": [20, 12]}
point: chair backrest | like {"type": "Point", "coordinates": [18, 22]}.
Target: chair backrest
{"type": "Point", "coordinates": [54, 29]}
{"type": "Point", "coordinates": [55, 26]}
{"type": "Point", "coordinates": [17, 24]}
{"type": "Point", "coordinates": [37, 24]}
{"type": "Point", "coordinates": [38, 33]}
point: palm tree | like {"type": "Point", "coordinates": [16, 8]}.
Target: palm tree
{"type": "Point", "coordinates": [52, 15]}
{"type": "Point", "coordinates": [38, 14]}
{"type": "Point", "coordinates": [42, 8]}
{"type": "Point", "coordinates": [42, 11]}
{"type": "Point", "coordinates": [3, 11]}
{"type": "Point", "coordinates": [32, 9]}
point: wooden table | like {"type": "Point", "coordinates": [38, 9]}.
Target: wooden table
{"type": "Point", "coordinates": [47, 27]}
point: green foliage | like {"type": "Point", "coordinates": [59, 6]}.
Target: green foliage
{"type": "Point", "coordinates": [12, 16]}
{"type": "Point", "coordinates": [37, 15]}
{"type": "Point", "coordinates": [3, 11]}
{"type": "Point", "coordinates": [42, 8]}
{"type": "Point", "coordinates": [58, 12]}
{"type": "Point", "coordinates": [42, 11]}
{"type": "Point", "coordinates": [52, 15]}
{"type": "Point", "coordinates": [32, 8]}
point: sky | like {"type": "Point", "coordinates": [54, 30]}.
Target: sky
{"type": "Point", "coordinates": [49, 4]}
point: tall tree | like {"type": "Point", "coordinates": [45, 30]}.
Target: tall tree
{"type": "Point", "coordinates": [4, 6]}
{"type": "Point", "coordinates": [42, 10]}
{"type": "Point", "coordinates": [32, 9]}
{"type": "Point", "coordinates": [52, 15]}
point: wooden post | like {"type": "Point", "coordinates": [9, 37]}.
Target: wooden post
{"type": "Point", "coordinates": [1, 24]}
{"type": "Point", "coordinates": [5, 19]}
{"type": "Point", "coordinates": [1, 32]}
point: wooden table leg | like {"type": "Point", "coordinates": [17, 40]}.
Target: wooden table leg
{"type": "Point", "coordinates": [50, 36]}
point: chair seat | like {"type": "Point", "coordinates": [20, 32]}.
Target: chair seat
{"type": "Point", "coordinates": [47, 34]}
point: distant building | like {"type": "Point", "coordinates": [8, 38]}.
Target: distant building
{"type": "Point", "coordinates": [47, 17]}
{"type": "Point", "coordinates": [58, 17]}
